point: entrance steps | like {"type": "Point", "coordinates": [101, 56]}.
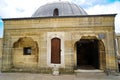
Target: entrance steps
{"type": "Point", "coordinates": [90, 73]}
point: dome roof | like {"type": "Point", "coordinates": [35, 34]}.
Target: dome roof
{"type": "Point", "coordinates": [59, 9]}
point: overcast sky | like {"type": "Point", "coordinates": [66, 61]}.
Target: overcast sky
{"type": "Point", "coordinates": [25, 8]}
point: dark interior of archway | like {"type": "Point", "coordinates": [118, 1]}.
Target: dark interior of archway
{"type": "Point", "coordinates": [119, 66]}
{"type": "Point", "coordinates": [87, 54]}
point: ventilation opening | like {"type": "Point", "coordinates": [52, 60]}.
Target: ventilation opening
{"type": "Point", "coordinates": [27, 51]}
{"type": "Point", "coordinates": [56, 12]}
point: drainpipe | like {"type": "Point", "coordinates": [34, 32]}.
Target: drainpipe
{"type": "Point", "coordinates": [116, 43]}
{"type": "Point", "coordinates": [116, 51]}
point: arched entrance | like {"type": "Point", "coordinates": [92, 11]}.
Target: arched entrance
{"type": "Point", "coordinates": [90, 53]}
{"type": "Point", "coordinates": [55, 49]}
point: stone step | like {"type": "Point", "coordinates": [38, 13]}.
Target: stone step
{"type": "Point", "coordinates": [90, 73]}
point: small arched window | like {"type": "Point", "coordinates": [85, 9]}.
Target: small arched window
{"type": "Point", "coordinates": [56, 12]}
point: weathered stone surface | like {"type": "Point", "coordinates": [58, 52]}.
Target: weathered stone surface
{"type": "Point", "coordinates": [32, 32]}
{"type": "Point", "coordinates": [1, 45]}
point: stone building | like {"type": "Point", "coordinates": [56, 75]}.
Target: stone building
{"type": "Point", "coordinates": [62, 35]}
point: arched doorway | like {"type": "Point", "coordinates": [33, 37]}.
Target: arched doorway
{"type": "Point", "coordinates": [55, 49]}
{"type": "Point", "coordinates": [90, 53]}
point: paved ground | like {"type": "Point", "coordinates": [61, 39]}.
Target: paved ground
{"type": "Point", "coordinates": [36, 76]}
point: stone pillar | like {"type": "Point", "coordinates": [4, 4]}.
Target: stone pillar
{"type": "Point", "coordinates": [111, 63]}
{"type": "Point", "coordinates": [1, 44]}
{"type": "Point", "coordinates": [6, 57]}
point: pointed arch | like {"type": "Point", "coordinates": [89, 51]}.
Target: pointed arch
{"type": "Point", "coordinates": [102, 55]}
{"type": "Point", "coordinates": [81, 48]}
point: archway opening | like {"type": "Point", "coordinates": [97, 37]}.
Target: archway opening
{"type": "Point", "coordinates": [88, 54]}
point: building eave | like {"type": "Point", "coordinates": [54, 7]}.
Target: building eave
{"type": "Point", "coordinates": [76, 16]}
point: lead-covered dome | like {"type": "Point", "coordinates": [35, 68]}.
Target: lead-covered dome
{"type": "Point", "coordinates": [59, 9]}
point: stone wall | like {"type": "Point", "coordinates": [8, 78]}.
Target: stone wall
{"type": "Point", "coordinates": [25, 53]}
{"type": "Point", "coordinates": [1, 40]}
{"type": "Point", "coordinates": [73, 28]}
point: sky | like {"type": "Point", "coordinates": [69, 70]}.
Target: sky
{"type": "Point", "coordinates": [25, 8]}
{"type": "Point", "coordinates": [1, 28]}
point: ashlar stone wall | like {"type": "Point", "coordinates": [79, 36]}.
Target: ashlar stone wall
{"type": "Point", "coordinates": [1, 45]}
{"type": "Point", "coordinates": [73, 29]}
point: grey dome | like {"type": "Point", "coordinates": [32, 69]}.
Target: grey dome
{"type": "Point", "coordinates": [63, 9]}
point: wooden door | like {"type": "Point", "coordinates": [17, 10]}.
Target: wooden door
{"type": "Point", "coordinates": [56, 51]}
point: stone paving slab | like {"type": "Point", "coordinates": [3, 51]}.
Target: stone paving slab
{"type": "Point", "coordinates": [36, 76]}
